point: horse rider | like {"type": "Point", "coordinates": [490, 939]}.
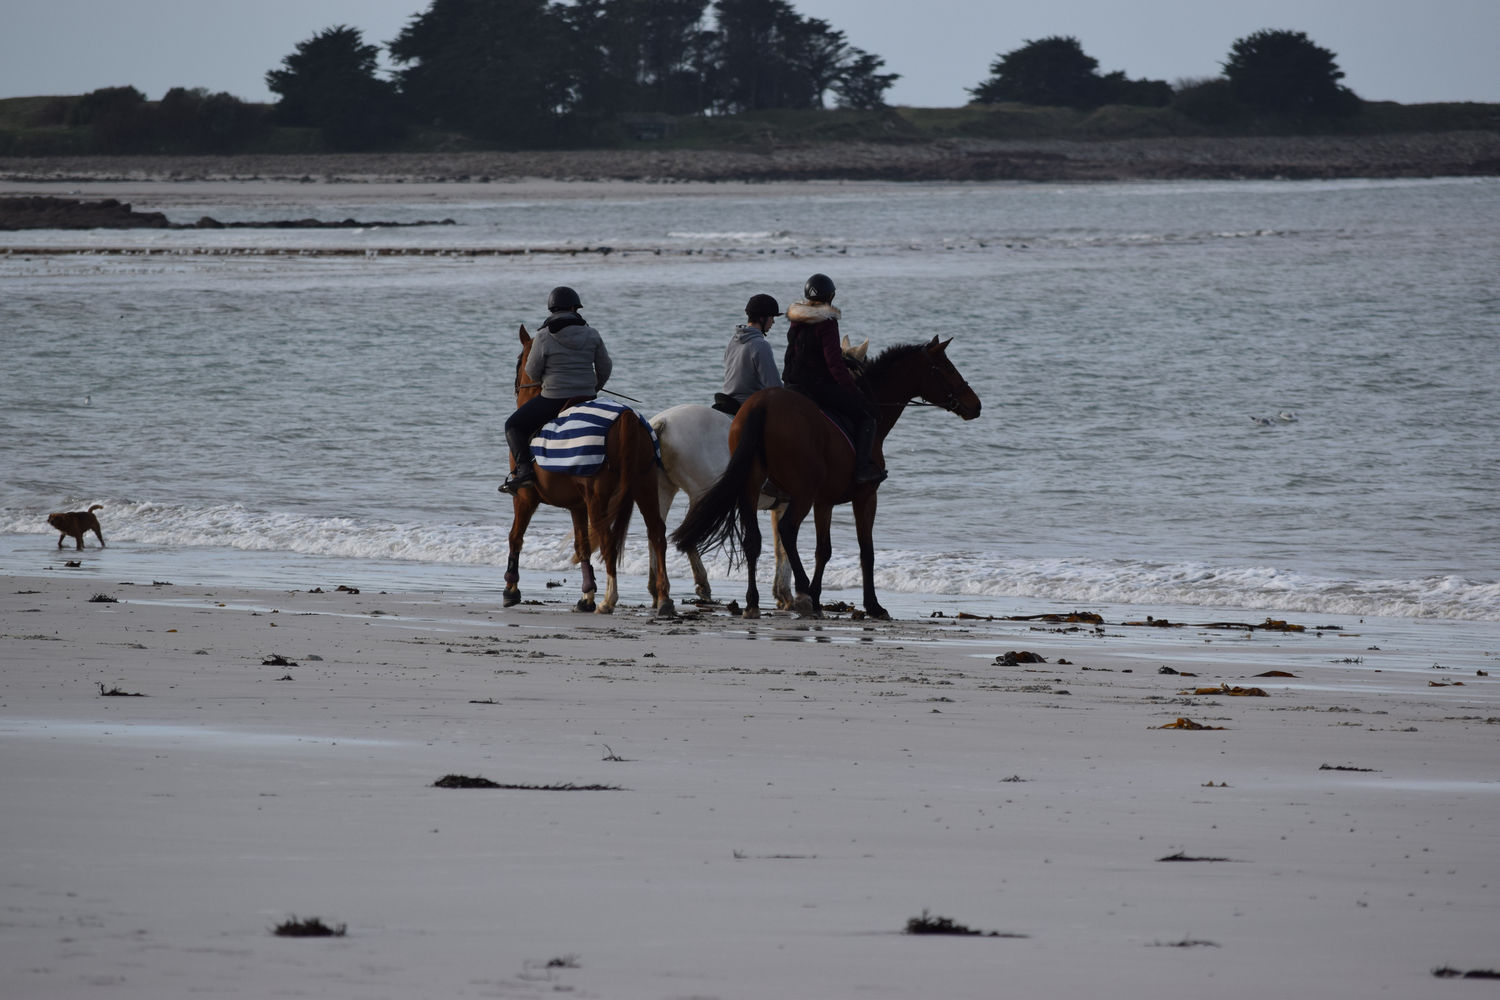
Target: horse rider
{"type": "Point", "coordinates": [570, 362]}
{"type": "Point", "coordinates": [749, 364]}
{"type": "Point", "coordinates": [814, 366]}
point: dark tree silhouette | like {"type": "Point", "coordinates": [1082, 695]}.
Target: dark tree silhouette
{"type": "Point", "coordinates": [819, 52]}
{"type": "Point", "coordinates": [1052, 71]}
{"type": "Point", "coordinates": [543, 72]}
{"type": "Point", "coordinates": [861, 84]}
{"type": "Point", "coordinates": [1285, 72]}
{"type": "Point", "coordinates": [118, 119]}
{"type": "Point", "coordinates": [767, 56]}
{"type": "Point", "coordinates": [504, 70]}
{"type": "Point", "coordinates": [330, 83]}
{"type": "Point", "coordinates": [639, 55]}
{"type": "Point", "coordinates": [198, 121]}
{"type": "Point", "coordinates": [1056, 71]}
{"type": "Point", "coordinates": [753, 68]}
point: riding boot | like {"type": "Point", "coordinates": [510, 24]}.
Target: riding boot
{"type": "Point", "coordinates": [865, 469]}
{"type": "Point", "coordinates": [520, 449]}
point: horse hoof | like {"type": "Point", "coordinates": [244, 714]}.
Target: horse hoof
{"type": "Point", "coordinates": [605, 609]}
{"type": "Point", "coordinates": [584, 604]}
{"type": "Point", "coordinates": [751, 613]}
{"type": "Point", "coordinates": [806, 607]}
{"type": "Point", "coordinates": [666, 609]}
{"type": "Point", "coordinates": [878, 613]}
{"type": "Point", "coordinates": [511, 599]}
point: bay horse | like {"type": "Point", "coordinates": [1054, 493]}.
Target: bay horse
{"type": "Point", "coordinates": [600, 505]}
{"type": "Point", "coordinates": [781, 435]}
{"type": "Point", "coordinates": [694, 443]}
{"type": "Point", "coordinates": [694, 453]}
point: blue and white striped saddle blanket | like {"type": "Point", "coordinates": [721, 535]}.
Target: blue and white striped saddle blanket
{"type": "Point", "coordinates": [574, 442]}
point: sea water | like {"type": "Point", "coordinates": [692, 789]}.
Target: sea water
{"type": "Point", "coordinates": [1270, 395]}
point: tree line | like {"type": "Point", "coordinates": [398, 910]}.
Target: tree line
{"type": "Point", "coordinates": [536, 72]}
{"type": "Point", "coordinates": [541, 73]}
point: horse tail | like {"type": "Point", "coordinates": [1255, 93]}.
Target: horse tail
{"type": "Point", "coordinates": [608, 533]}
{"type": "Point", "coordinates": [714, 519]}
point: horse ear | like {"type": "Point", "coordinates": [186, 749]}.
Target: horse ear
{"type": "Point", "coordinates": [934, 343]}
{"type": "Point", "coordinates": [526, 337]}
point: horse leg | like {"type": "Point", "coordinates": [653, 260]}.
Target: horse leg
{"type": "Point", "coordinates": [583, 554]}
{"type": "Point", "coordinates": [750, 545]}
{"type": "Point", "coordinates": [822, 551]}
{"type": "Point", "coordinates": [864, 529]}
{"type": "Point", "coordinates": [656, 543]}
{"type": "Point", "coordinates": [525, 506]}
{"type": "Point", "coordinates": [608, 555]}
{"type": "Point", "coordinates": [791, 520]}
{"type": "Point", "coordinates": [666, 492]}
{"type": "Point", "coordinates": [781, 581]}
{"type": "Point", "coordinates": [701, 588]}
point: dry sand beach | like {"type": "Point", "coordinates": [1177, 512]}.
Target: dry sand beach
{"type": "Point", "coordinates": [707, 807]}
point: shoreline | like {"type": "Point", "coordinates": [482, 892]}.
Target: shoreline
{"type": "Point", "coordinates": [721, 808]}
{"type": "Point", "coordinates": [1461, 153]}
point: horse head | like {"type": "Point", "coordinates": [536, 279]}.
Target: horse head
{"type": "Point", "coordinates": [942, 385]}
{"type": "Point", "coordinates": [525, 390]}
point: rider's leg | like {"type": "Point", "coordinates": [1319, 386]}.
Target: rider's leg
{"type": "Point", "coordinates": [519, 430]}
{"type": "Point", "coordinates": [859, 413]}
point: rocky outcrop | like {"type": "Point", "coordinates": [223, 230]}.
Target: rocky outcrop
{"type": "Point", "coordinates": [46, 212]}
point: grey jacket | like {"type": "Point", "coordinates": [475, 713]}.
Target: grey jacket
{"type": "Point", "coordinates": [749, 364]}
{"type": "Point", "coordinates": [568, 358]}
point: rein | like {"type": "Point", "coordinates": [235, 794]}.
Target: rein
{"type": "Point", "coordinates": [949, 404]}
{"type": "Point", "coordinates": [538, 385]}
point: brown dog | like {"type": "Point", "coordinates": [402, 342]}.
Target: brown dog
{"type": "Point", "coordinates": [76, 523]}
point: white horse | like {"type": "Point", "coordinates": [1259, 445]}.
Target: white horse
{"type": "Point", "coordinates": [694, 453]}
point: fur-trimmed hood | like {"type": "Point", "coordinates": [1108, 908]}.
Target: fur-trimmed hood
{"type": "Point", "coordinates": [803, 311]}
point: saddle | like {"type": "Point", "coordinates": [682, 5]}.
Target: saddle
{"type": "Point", "coordinates": [834, 417]}
{"type": "Point", "coordinates": [574, 442]}
{"type": "Point", "coordinates": [726, 404]}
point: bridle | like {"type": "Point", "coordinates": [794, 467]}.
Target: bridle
{"type": "Point", "coordinates": [949, 403]}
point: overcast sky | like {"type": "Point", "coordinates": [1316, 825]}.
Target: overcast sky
{"type": "Point", "coordinates": [1410, 51]}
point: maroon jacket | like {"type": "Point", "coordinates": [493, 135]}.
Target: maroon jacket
{"type": "Point", "coordinates": [814, 350]}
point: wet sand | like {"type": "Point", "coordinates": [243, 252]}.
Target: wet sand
{"type": "Point", "coordinates": [709, 807]}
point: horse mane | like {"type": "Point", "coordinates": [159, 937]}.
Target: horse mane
{"type": "Point", "coordinates": [893, 357]}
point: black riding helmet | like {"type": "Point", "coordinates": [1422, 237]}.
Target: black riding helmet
{"type": "Point", "coordinates": [819, 288]}
{"type": "Point", "coordinates": [761, 306]}
{"type": "Point", "coordinates": [562, 299]}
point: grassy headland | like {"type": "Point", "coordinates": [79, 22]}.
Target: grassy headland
{"type": "Point", "coordinates": [977, 142]}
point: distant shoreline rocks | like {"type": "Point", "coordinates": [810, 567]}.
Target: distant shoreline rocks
{"type": "Point", "coordinates": [1425, 154]}
{"type": "Point", "coordinates": [48, 212]}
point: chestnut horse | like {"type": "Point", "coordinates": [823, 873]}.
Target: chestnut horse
{"type": "Point", "coordinates": [600, 505]}
{"type": "Point", "coordinates": [781, 435]}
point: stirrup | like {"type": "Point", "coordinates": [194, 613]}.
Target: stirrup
{"type": "Point", "coordinates": [522, 477]}
{"type": "Point", "coordinates": [770, 489]}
